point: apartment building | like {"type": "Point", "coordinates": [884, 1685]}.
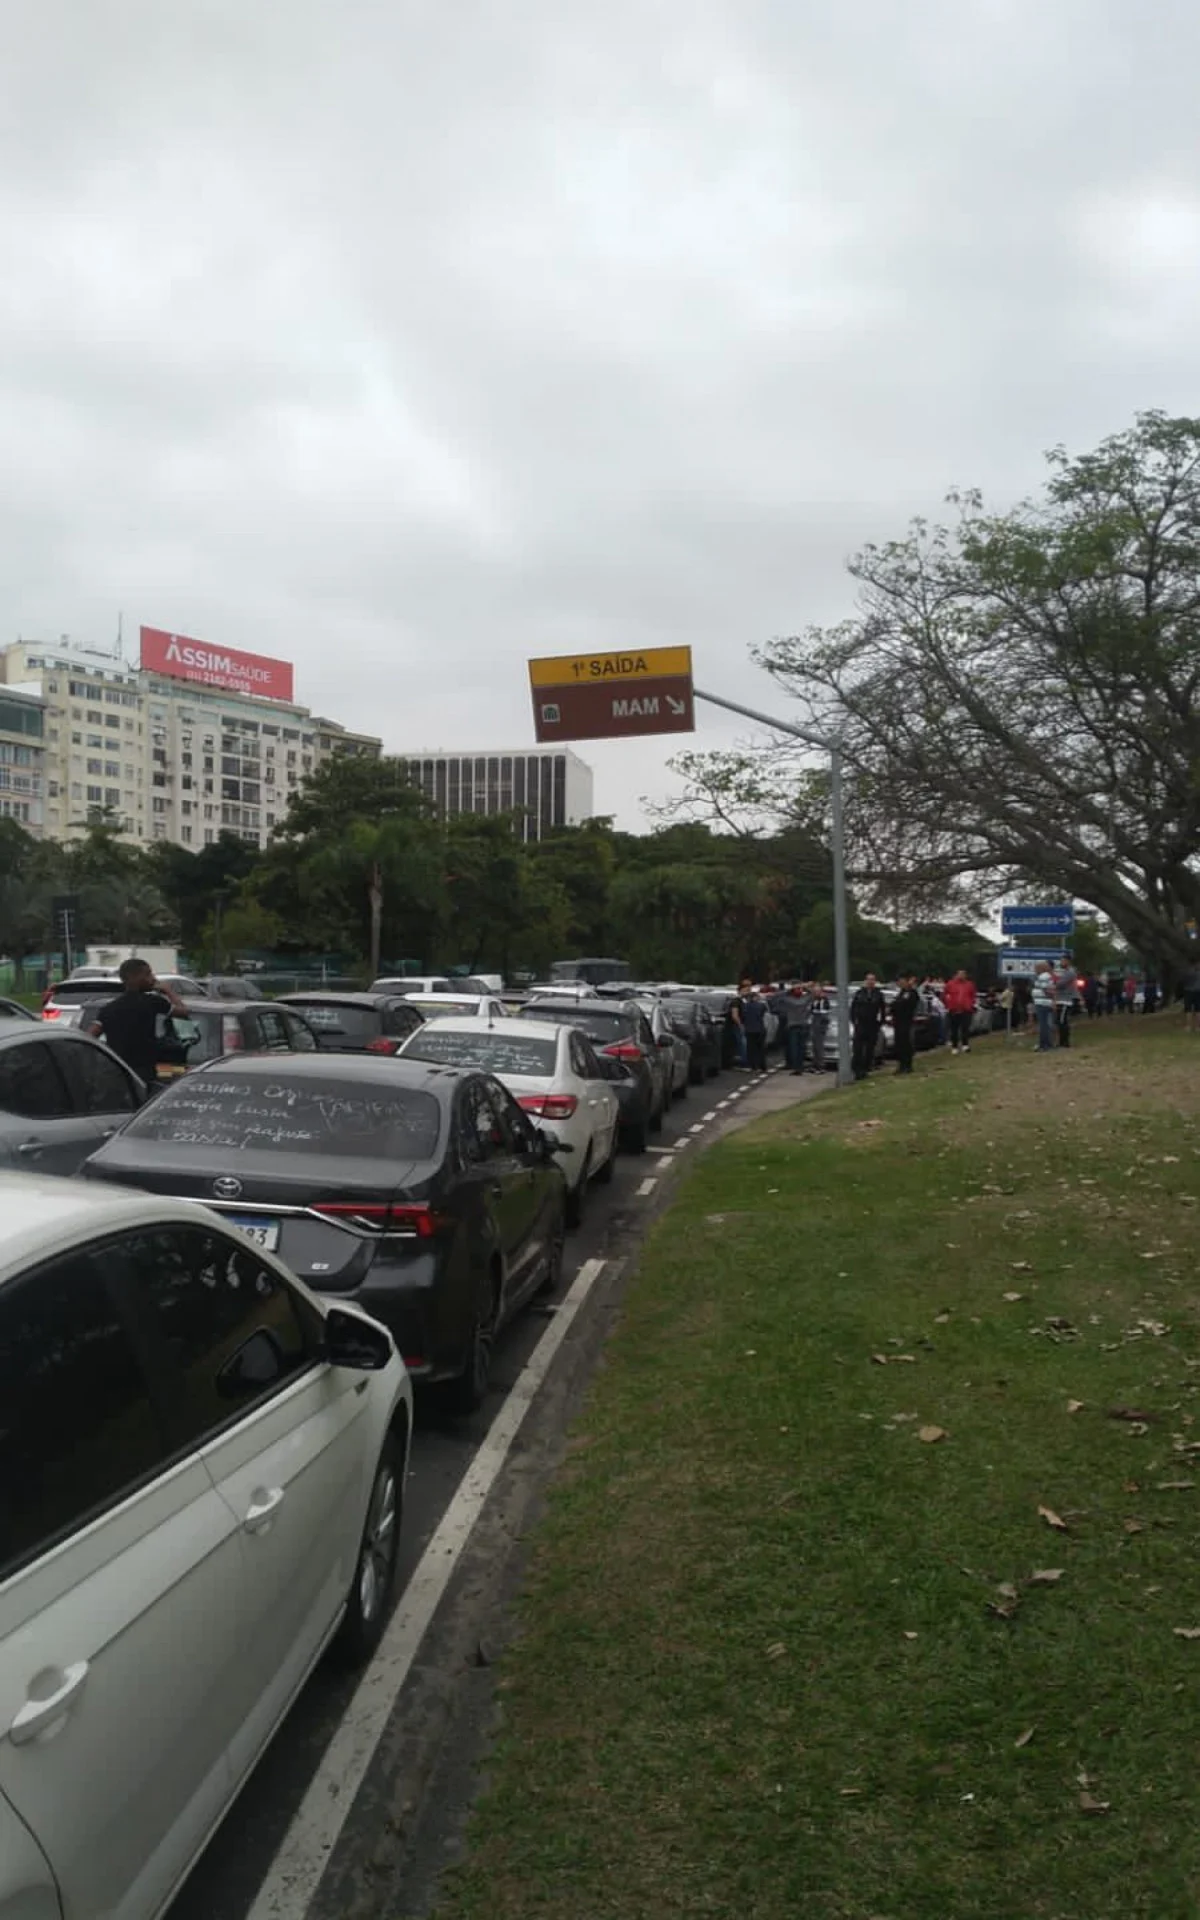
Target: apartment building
{"type": "Point", "coordinates": [172, 759]}
{"type": "Point", "coordinates": [22, 758]}
{"type": "Point", "coordinates": [549, 787]}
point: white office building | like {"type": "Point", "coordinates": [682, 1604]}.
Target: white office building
{"type": "Point", "coordinates": [170, 759]}
{"type": "Point", "coordinates": [550, 786]}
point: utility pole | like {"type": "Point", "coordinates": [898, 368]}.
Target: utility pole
{"type": "Point", "coordinates": [837, 835]}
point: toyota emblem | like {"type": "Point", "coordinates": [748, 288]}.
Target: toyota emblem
{"type": "Point", "coordinates": [227, 1188]}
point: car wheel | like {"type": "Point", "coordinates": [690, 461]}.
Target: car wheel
{"type": "Point", "coordinates": [468, 1389]}
{"type": "Point", "coordinates": [577, 1195]}
{"type": "Point", "coordinates": [370, 1596]}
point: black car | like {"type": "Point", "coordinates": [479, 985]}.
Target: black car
{"type": "Point", "coordinates": [61, 1095]}
{"type": "Point", "coordinates": [622, 1031]}
{"type": "Point", "coordinates": [421, 1192]}
{"type": "Point", "coordinates": [692, 1020]}
{"type": "Point", "coordinates": [207, 1029]}
{"type": "Point", "coordinates": [356, 1022]}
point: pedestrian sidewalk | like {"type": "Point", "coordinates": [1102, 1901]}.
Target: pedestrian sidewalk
{"type": "Point", "coordinates": [770, 1092]}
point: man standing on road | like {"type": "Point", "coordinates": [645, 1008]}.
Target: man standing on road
{"type": "Point", "coordinates": [795, 1012]}
{"type": "Point", "coordinates": [905, 1008]}
{"type": "Point", "coordinates": [822, 1007]}
{"type": "Point", "coordinates": [960, 1005]}
{"type": "Point", "coordinates": [737, 1010]}
{"type": "Point", "coordinates": [1043, 1005]}
{"type": "Point", "coordinates": [130, 1022]}
{"type": "Point", "coordinates": [754, 1025]}
{"type": "Point", "coordinates": [866, 1017]}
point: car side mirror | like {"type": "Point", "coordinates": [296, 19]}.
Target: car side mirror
{"type": "Point", "coordinates": [664, 1040]}
{"type": "Point", "coordinates": [355, 1343]}
{"type": "Point", "coordinates": [552, 1144]}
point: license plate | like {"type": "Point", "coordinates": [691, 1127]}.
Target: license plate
{"type": "Point", "coordinates": [264, 1233]}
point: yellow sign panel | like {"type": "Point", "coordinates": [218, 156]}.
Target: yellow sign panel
{"type": "Point", "coordinates": [612, 669]}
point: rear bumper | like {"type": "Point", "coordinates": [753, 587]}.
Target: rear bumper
{"type": "Point", "coordinates": [422, 1305]}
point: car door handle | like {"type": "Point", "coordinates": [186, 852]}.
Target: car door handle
{"type": "Point", "coordinates": [37, 1716]}
{"type": "Point", "coordinates": [30, 1149]}
{"type": "Point", "coordinates": [262, 1509]}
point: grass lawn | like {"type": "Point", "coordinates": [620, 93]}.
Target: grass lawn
{"type": "Point", "coordinates": [870, 1590]}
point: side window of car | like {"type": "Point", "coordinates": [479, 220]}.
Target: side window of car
{"type": "Point", "coordinates": [582, 1059]}
{"type": "Point", "coordinates": [99, 1083]}
{"type": "Point", "coordinates": [78, 1428]}
{"type": "Point", "coordinates": [645, 1032]}
{"type": "Point", "coordinates": [483, 1133]}
{"type": "Point", "coordinates": [300, 1034]}
{"type": "Point", "coordinates": [230, 1330]}
{"type": "Point", "coordinates": [30, 1083]}
{"type": "Point", "coordinates": [273, 1031]}
{"type": "Point", "coordinates": [521, 1135]}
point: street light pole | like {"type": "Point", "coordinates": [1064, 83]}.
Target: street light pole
{"type": "Point", "coordinates": [837, 834]}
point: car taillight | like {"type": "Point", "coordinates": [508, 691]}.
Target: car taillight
{"type": "Point", "coordinates": [549, 1106]}
{"type": "Point", "coordinates": [405, 1219]}
{"type": "Point", "coordinates": [51, 1013]}
{"type": "Point", "coordinates": [233, 1040]}
{"type": "Point", "coordinates": [382, 1044]}
{"type": "Point", "coordinates": [623, 1050]}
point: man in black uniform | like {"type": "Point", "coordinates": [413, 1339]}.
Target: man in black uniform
{"type": "Point", "coordinates": [905, 1008]}
{"type": "Point", "coordinates": [130, 1022]}
{"type": "Point", "coordinates": [866, 1017]}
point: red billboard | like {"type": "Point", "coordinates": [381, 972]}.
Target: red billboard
{"type": "Point", "coordinates": [180, 658]}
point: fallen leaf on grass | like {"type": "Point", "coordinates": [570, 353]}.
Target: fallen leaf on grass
{"type": "Point", "coordinates": [880, 1359]}
{"type": "Point", "coordinates": [1045, 1576]}
{"type": "Point", "coordinates": [1053, 1519]}
{"type": "Point", "coordinates": [1012, 1296]}
{"type": "Point", "coordinates": [777, 1651]}
{"type": "Point", "coordinates": [1129, 1413]}
{"type": "Point", "coordinates": [1007, 1590]}
{"type": "Point", "coordinates": [940, 1319]}
{"type": "Point", "coordinates": [1023, 1739]}
{"type": "Point", "coordinates": [1134, 1526]}
{"type": "Point", "coordinates": [910, 1636]}
{"type": "Point", "coordinates": [1173, 1486]}
{"type": "Point", "coordinates": [847, 1792]}
{"type": "Point", "coordinates": [910, 1358]}
{"type": "Point", "coordinates": [1020, 1266]}
{"type": "Point", "coordinates": [1075, 1406]}
{"type": "Point", "coordinates": [930, 1434]}
{"type": "Point", "coordinates": [1186, 1633]}
{"type": "Point", "coordinates": [1088, 1803]}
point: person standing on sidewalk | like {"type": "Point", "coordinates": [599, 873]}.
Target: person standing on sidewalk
{"type": "Point", "coordinates": [754, 1025]}
{"type": "Point", "coordinates": [960, 1005]}
{"type": "Point", "coordinates": [1043, 1006]}
{"type": "Point", "coordinates": [905, 1008]}
{"type": "Point", "coordinates": [737, 1020]}
{"type": "Point", "coordinates": [822, 1007]}
{"type": "Point", "coordinates": [866, 1017]}
{"type": "Point", "coordinates": [1065, 989]}
{"type": "Point", "coordinates": [795, 1013]}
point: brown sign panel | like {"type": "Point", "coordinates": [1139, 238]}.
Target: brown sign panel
{"type": "Point", "coordinates": [598, 711]}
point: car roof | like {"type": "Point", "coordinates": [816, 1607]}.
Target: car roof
{"type": "Point", "coordinates": [11, 1030]}
{"type": "Point", "coordinates": [479, 1023]}
{"type": "Point", "coordinates": [328, 997]}
{"type": "Point", "coordinates": [375, 1069]}
{"type": "Point", "coordinates": [213, 1004]}
{"type": "Point", "coordinates": [593, 1006]}
{"type": "Point", "coordinates": [43, 1214]}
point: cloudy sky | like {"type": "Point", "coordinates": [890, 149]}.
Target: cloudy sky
{"type": "Point", "coordinates": [410, 338]}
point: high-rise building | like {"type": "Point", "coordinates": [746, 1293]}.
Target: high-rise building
{"type": "Point", "coordinates": [22, 757]}
{"type": "Point", "coordinates": [548, 786]}
{"type": "Point", "coordinates": [170, 758]}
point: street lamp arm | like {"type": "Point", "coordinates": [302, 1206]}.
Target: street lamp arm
{"type": "Point", "coordinates": [822, 741]}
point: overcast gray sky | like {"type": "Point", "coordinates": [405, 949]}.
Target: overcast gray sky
{"type": "Point", "coordinates": [409, 338]}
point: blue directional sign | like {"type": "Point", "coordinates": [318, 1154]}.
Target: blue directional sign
{"type": "Point", "coordinates": [1014, 962]}
{"type": "Point", "coordinates": [1044, 921]}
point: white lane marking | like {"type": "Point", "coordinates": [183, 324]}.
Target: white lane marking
{"type": "Point", "coordinates": [698, 1128]}
{"type": "Point", "coordinates": [660, 1149]}
{"type": "Point", "coordinates": [647, 1186]}
{"type": "Point", "coordinates": [712, 1115]}
{"type": "Point", "coordinates": [294, 1875]}
{"type": "Point", "coordinates": [723, 1103]}
{"type": "Point", "coordinates": [682, 1144]}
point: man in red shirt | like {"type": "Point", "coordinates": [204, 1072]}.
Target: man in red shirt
{"type": "Point", "coordinates": [960, 1005]}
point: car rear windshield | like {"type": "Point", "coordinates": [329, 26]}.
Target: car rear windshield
{"type": "Point", "coordinates": [599, 1022]}
{"type": "Point", "coordinates": [278, 1114]}
{"type": "Point", "coordinates": [354, 1025]}
{"type": "Point", "coordinates": [490, 1052]}
{"type": "Point", "coordinates": [440, 1008]}
{"type": "Point", "coordinates": [88, 990]}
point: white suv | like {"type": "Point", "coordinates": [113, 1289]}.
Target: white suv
{"type": "Point", "coordinates": [201, 1470]}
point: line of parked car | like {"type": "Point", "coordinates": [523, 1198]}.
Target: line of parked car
{"type": "Point", "coordinates": [208, 1339]}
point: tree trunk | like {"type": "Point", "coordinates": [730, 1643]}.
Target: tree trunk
{"type": "Point", "coordinates": [375, 893]}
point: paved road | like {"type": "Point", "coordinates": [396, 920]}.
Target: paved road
{"type": "Point", "coordinates": [227, 1880]}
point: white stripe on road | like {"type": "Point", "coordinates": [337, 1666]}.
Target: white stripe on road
{"type": "Point", "coordinates": [722, 1103]}
{"type": "Point", "coordinates": [712, 1115]}
{"type": "Point", "coordinates": [647, 1186]}
{"type": "Point", "coordinates": [698, 1128]}
{"type": "Point", "coordinates": [294, 1875]}
{"type": "Point", "coordinates": [681, 1144]}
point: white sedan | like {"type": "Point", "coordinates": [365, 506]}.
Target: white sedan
{"type": "Point", "coordinates": [202, 1468]}
{"type": "Point", "coordinates": [461, 1006]}
{"type": "Point", "coordinates": [552, 1071]}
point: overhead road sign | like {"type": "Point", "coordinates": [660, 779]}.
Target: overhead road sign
{"type": "Point", "coordinates": [610, 696]}
{"type": "Point", "coordinates": [1015, 921]}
